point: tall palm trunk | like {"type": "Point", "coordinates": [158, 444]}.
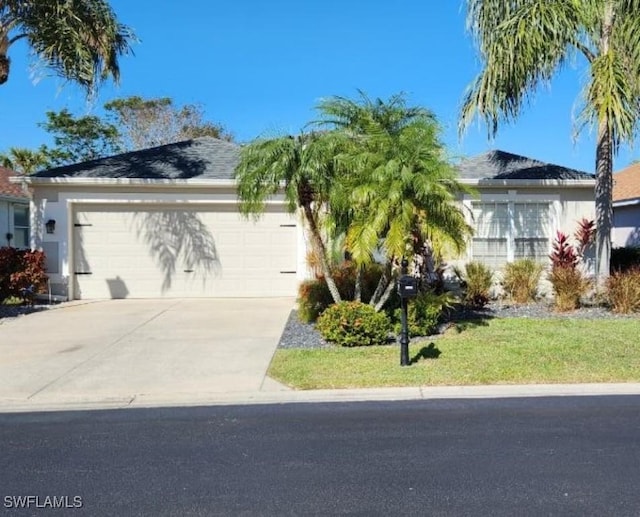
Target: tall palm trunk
{"type": "Point", "coordinates": [321, 251]}
{"type": "Point", "coordinates": [604, 170]}
{"type": "Point", "coordinates": [604, 210]}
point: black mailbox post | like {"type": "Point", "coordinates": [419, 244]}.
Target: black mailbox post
{"type": "Point", "coordinates": [407, 288]}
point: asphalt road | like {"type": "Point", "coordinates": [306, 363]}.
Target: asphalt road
{"type": "Point", "coordinates": [550, 456]}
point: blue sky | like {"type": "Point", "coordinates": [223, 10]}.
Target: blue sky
{"type": "Point", "coordinates": [259, 68]}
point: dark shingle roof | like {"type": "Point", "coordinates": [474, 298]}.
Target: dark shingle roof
{"type": "Point", "coordinates": [500, 165]}
{"type": "Point", "coordinates": [8, 189]}
{"type": "Point", "coordinates": [201, 158]}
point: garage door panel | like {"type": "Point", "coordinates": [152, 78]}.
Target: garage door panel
{"type": "Point", "coordinates": [173, 252]}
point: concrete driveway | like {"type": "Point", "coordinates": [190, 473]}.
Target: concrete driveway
{"type": "Point", "coordinates": [122, 350]}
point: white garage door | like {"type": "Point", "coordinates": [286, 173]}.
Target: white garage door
{"type": "Point", "coordinates": [171, 251]}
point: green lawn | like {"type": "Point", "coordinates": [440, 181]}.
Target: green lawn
{"type": "Point", "coordinates": [500, 351]}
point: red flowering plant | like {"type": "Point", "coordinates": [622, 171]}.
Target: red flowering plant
{"type": "Point", "coordinates": [569, 282]}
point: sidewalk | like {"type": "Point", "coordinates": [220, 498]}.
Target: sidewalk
{"type": "Point", "coordinates": [273, 393]}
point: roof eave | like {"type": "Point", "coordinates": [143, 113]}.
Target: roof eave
{"type": "Point", "coordinates": [14, 199]}
{"type": "Point", "coordinates": [627, 202]}
{"type": "Point", "coordinates": [480, 182]}
{"type": "Point", "coordinates": [119, 182]}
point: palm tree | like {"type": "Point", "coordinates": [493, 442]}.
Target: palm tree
{"type": "Point", "coordinates": [302, 167]}
{"type": "Point", "coordinates": [25, 161]}
{"type": "Point", "coordinates": [523, 43]}
{"type": "Point", "coordinates": [396, 191]}
{"type": "Point", "coordinates": [81, 40]}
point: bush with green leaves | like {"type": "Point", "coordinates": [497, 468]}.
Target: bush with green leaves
{"type": "Point", "coordinates": [314, 296]}
{"type": "Point", "coordinates": [623, 291]}
{"type": "Point", "coordinates": [569, 285]}
{"type": "Point", "coordinates": [354, 324]}
{"type": "Point", "coordinates": [521, 279]}
{"type": "Point", "coordinates": [476, 280]}
{"type": "Point", "coordinates": [424, 312]}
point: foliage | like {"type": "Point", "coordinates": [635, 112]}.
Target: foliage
{"type": "Point", "coordinates": [569, 285]}
{"type": "Point", "coordinates": [80, 40]}
{"type": "Point", "coordinates": [22, 274]}
{"type": "Point", "coordinates": [623, 290]}
{"type": "Point", "coordinates": [521, 279]}
{"type": "Point", "coordinates": [314, 296]}
{"type": "Point", "coordinates": [302, 169]}
{"type": "Point", "coordinates": [476, 280]}
{"type": "Point", "coordinates": [131, 123]}
{"type": "Point", "coordinates": [563, 254]}
{"type": "Point", "coordinates": [375, 172]}
{"type": "Point", "coordinates": [25, 161]}
{"type": "Point", "coordinates": [584, 235]}
{"type": "Point", "coordinates": [397, 189]}
{"type": "Point", "coordinates": [523, 44]}
{"type": "Point", "coordinates": [624, 258]}
{"type": "Point", "coordinates": [424, 312]}
{"type": "Point", "coordinates": [351, 323]}
{"type": "Point", "coordinates": [79, 139]}
{"type": "Point", "coordinates": [143, 123]}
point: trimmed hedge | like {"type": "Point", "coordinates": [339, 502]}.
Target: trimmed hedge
{"type": "Point", "coordinates": [354, 324]}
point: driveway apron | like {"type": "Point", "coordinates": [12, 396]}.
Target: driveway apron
{"type": "Point", "coordinates": [123, 349]}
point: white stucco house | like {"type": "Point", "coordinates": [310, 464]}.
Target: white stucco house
{"type": "Point", "coordinates": [164, 222]}
{"type": "Point", "coordinates": [626, 207]}
{"type": "Point", "coordinates": [14, 212]}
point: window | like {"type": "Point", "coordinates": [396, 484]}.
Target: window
{"type": "Point", "coordinates": [21, 226]}
{"type": "Point", "coordinates": [508, 230]}
{"type": "Point", "coordinates": [491, 230]}
{"type": "Point", "coordinates": [531, 224]}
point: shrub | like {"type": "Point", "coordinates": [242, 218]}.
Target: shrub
{"type": "Point", "coordinates": [354, 324]}
{"type": "Point", "coordinates": [569, 285]}
{"type": "Point", "coordinates": [521, 279]}
{"type": "Point", "coordinates": [314, 296]}
{"type": "Point", "coordinates": [563, 254]}
{"type": "Point", "coordinates": [623, 259]}
{"type": "Point", "coordinates": [623, 290]}
{"type": "Point", "coordinates": [476, 281]}
{"type": "Point", "coordinates": [585, 235]}
{"type": "Point", "coordinates": [22, 274]}
{"type": "Point", "coordinates": [424, 313]}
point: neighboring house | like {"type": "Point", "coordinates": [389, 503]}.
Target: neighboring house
{"type": "Point", "coordinates": [520, 206]}
{"type": "Point", "coordinates": [14, 212]}
{"type": "Point", "coordinates": [162, 222]}
{"type": "Point", "coordinates": [626, 207]}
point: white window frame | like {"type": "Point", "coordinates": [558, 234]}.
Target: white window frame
{"type": "Point", "coordinates": [15, 227]}
{"type": "Point", "coordinates": [511, 198]}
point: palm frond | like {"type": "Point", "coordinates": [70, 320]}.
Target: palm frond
{"type": "Point", "coordinates": [81, 40]}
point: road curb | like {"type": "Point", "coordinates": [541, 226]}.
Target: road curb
{"type": "Point", "coordinates": [158, 400]}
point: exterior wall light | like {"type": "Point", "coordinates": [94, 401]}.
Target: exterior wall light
{"type": "Point", "coordinates": [50, 225]}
